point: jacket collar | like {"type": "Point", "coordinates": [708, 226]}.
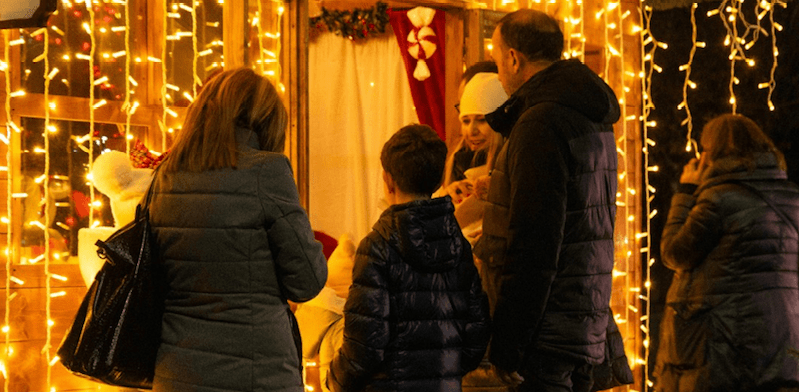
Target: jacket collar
{"type": "Point", "coordinates": [247, 137]}
{"type": "Point", "coordinates": [765, 167]}
{"type": "Point", "coordinates": [567, 83]}
{"type": "Point", "coordinates": [503, 119]}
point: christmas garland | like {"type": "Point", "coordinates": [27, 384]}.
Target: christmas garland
{"type": "Point", "coordinates": [356, 24]}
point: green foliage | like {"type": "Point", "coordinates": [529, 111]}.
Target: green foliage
{"type": "Point", "coordinates": [355, 24]}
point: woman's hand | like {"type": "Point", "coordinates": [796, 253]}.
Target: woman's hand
{"type": "Point", "coordinates": [459, 190]}
{"type": "Point", "coordinates": [692, 171]}
{"type": "Point", "coordinates": [481, 186]}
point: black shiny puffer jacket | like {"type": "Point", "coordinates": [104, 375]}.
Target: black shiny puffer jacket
{"type": "Point", "coordinates": [732, 316]}
{"type": "Point", "coordinates": [416, 318]}
{"type": "Point", "coordinates": [548, 226]}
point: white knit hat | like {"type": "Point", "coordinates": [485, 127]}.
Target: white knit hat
{"type": "Point", "coordinates": [482, 95]}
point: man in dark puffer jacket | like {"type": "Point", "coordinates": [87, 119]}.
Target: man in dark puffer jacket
{"type": "Point", "coordinates": [548, 231]}
{"type": "Point", "coordinates": [416, 318]}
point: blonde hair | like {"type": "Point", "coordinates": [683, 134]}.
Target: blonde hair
{"type": "Point", "coordinates": [237, 98]}
{"type": "Point", "coordinates": [734, 135]}
{"type": "Point", "coordinates": [494, 145]}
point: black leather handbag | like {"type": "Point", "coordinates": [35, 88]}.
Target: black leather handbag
{"type": "Point", "coordinates": [116, 333]}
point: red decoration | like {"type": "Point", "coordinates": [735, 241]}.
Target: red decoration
{"type": "Point", "coordinates": [81, 203]}
{"type": "Point", "coordinates": [142, 158]}
{"type": "Point", "coordinates": [428, 95]}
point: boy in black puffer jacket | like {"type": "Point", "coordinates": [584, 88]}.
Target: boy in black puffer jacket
{"type": "Point", "coordinates": [416, 318]}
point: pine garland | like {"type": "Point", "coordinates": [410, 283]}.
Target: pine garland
{"type": "Point", "coordinates": [355, 24]}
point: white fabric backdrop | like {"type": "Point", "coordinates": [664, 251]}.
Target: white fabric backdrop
{"type": "Point", "coordinates": [358, 97]}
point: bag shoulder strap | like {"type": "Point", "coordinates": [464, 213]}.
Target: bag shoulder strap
{"type": "Point", "coordinates": [144, 206]}
{"type": "Point", "coordinates": [764, 198]}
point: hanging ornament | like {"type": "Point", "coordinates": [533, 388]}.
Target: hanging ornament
{"type": "Point", "coordinates": [422, 40]}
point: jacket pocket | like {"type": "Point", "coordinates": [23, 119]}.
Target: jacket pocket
{"type": "Point", "coordinates": [692, 335]}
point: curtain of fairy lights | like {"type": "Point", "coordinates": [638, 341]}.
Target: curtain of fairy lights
{"type": "Point", "coordinates": [86, 55]}
{"type": "Point", "coordinates": [741, 36]}
{"type": "Point", "coordinates": [265, 21]}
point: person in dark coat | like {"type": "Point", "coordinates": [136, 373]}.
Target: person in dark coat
{"type": "Point", "coordinates": [416, 318]}
{"type": "Point", "coordinates": [235, 245]}
{"type": "Point", "coordinates": [732, 316]}
{"type": "Point", "coordinates": [547, 242]}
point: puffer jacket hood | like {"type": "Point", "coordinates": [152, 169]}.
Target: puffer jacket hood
{"type": "Point", "coordinates": [764, 167]}
{"type": "Point", "coordinates": [568, 83]}
{"type": "Point", "coordinates": [423, 233]}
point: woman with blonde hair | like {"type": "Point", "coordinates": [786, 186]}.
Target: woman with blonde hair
{"type": "Point", "coordinates": [234, 245]}
{"type": "Point", "coordinates": [473, 155]}
{"type": "Point", "coordinates": [732, 316]}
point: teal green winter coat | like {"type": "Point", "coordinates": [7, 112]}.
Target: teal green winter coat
{"type": "Point", "coordinates": [235, 245]}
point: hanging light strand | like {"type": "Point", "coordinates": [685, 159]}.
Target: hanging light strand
{"type": "Point", "coordinates": [261, 35]}
{"type": "Point", "coordinates": [608, 55]}
{"type": "Point", "coordinates": [47, 217]}
{"type": "Point", "coordinates": [626, 189]}
{"type": "Point", "coordinates": [729, 18]}
{"type": "Point", "coordinates": [9, 207]}
{"type": "Point", "coordinates": [582, 29]}
{"type": "Point", "coordinates": [278, 22]}
{"type": "Point", "coordinates": [688, 122]}
{"type": "Point", "coordinates": [195, 78]}
{"type": "Point", "coordinates": [127, 104]}
{"type": "Point", "coordinates": [164, 82]}
{"type": "Point", "coordinates": [774, 52]}
{"type": "Point", "coordinates": [647, 67]}
{"type": "Point", "coordinates": [92, 84]}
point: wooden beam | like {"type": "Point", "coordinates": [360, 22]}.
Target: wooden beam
{"type": "Point", "coordinates": [298, 32]}
{"type": "Point", "coordinates": [452, 72]}
{"type": "Point", "coordinates": [77, 109]}
{"type": "Point", "coordinates": [473, 37]}
{"type": "Point", "coordinates": [153, 25]}
{"type": "Point", "coordinates": [352, 4]}
{"type": "Point", "coordinates": [14, 162]}
{"type": "Point", "coordinates": [234, 14]}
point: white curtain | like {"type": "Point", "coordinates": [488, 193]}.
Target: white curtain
{"type": "Point", "coordinates": [358, 97]}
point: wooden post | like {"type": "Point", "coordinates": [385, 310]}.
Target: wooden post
{"type": "Point", "coordinates": [15, 157]}
{"type": "Point", "coordinates": [452, 73]}
{"type": "Point", "coordinates": [473, 37]}
{"type": "Point", "coordinates": [297, 60]}
{"type": "Point", "coordinates": [234, 14]}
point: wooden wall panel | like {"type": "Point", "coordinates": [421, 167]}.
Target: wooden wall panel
{"type": "Point", "coordinates": [27, 364]}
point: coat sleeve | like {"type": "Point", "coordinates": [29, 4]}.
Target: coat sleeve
{"type": "Point", "coordinates": [366, 326]}
{"type": "Point", "coordinates": [692, 230]}
{"type": "Point", "coordinates": [538, 174]}
{"type": "Point", "coordinates": [478, 328]}
{"type": "Point", "coordinates": [299, 261]}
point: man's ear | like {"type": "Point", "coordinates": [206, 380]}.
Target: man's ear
{"type": "Point", "coordinates": [515, 60]}
{"type": "Point", "coordinates": [390, 185]}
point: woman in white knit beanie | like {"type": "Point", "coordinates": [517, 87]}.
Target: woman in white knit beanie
{"type": "Point", "coordinates": [473, 155]}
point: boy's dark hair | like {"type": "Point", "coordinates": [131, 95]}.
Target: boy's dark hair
{"type": "Point", "coordinates": [415, 158]}
{"type": "Point", "coordinates": [478, 67]}
{"type": "Point", "coordinates": [533, 33]}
